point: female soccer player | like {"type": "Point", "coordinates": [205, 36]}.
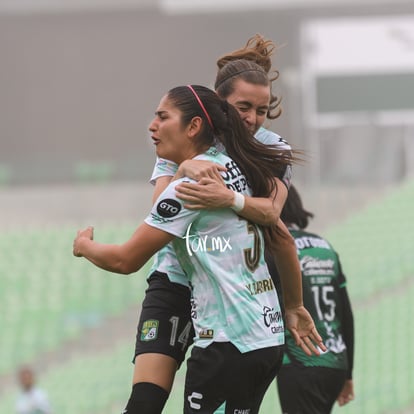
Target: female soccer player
{"type": "Point", "coordinates": [312, 385]}
{"type": "Point", "coordinates": [236, 313]}
{"type": "Point", "coordinates": [159, 351]}
{"type": "Point", "coordinates": [243, 79]}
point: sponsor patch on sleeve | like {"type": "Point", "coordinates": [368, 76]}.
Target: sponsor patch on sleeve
{"type": "Point", "coordinates": [168, 207]}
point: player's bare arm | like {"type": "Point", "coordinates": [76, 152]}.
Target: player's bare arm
{"type": "Point", "coordinates": [298, 319]}
{"type": "Point", "coordinates": [124, 258]}
{"type": "Point", "coordinates": [210, 192]}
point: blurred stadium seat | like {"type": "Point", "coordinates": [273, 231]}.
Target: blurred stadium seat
{"type": "Point", "coordinates": [375, 246]}
{"type": "Point", "coordinates": [52, 299]}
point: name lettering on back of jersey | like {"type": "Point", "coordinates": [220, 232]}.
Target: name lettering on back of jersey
{"type": "Point", "coordinates": [260, 286]}
{"type": "Point", "coordinates": [234, 178]}
{"type": "Point", "coordinates": [308, 241]}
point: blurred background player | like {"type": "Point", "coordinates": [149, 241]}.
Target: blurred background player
{"type": "Point", "coordinates": [309, 385]}
{"type": "Point", "coordinates": [31, 400]}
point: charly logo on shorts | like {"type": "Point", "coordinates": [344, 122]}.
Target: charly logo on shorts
{"type": "Point", "coordinates": [149, 330]}
{"type": "Point", "coordinates": [168, 207]}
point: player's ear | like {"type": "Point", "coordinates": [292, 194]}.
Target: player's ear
{"type": "Point", "coordinates": [194, 126]}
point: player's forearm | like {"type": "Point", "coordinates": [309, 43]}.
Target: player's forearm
{"type": "Point", "coordinates": [109, 257]}
{"type": "Point", "coordinates": [288, 267]}
{"type": "Point", "coordinates": [265, 210]}
{"type": "Point", "coordinates": [348, 328]}
{"type": "Point", "coordinates": [260, 210]}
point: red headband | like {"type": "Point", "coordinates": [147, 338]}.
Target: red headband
{"type": "Point", "coordinates": [201, 105]}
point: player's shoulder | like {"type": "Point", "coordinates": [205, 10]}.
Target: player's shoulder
{"type": "Point", "coordinates": [267, 137]}
{"type": "Point", "coordinates": [305, 233]}
{"type": "Point", "coordinates": [314, 239]}
{"type": "Point", "coordinates": [215, 154]}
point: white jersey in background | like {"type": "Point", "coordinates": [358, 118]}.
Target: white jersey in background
{"type": "Point", "coordinates": [33, 401]}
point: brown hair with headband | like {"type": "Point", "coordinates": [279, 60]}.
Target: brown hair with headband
{"type": "Point", "coordinates": [260, 163]}
{"type": "Point", "coordinates": [252, 63]}
{"type": "Point", "coordinates": [201, 106]}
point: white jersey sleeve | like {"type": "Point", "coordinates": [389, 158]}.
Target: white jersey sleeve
{"type": "Point", "coordinates": [168, 213]}
{"type": "Point", "coordinates": [271, 138]}
{"type": "Point", "coordinates": [267, 137]}
{"type": "Point", "coordinates": [163, 168]}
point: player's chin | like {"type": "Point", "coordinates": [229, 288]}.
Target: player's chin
{"type": "Point", "coordinates": [159, 151]}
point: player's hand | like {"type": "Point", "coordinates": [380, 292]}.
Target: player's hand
{"type": "Point", "coordinates": [198, 169]}
{"type": "Point", "coordinates": [347, 393]}
{"type": "Point", "coordinates": [208, 193]}
{"type": "Point", "coordinates": [81, 235]}
{"type": "Point", "coordinates": [303, 330]}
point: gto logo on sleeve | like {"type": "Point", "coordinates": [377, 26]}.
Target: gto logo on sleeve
{"type": "Point", "coordinates": [168, 207]}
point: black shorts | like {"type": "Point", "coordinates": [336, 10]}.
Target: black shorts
{"type": "Point", "coordinates": [309, 390]}
{"type": "Point", "coordinates": [165, 325]}
{"type": "Point", "coordinates": [220, 376]}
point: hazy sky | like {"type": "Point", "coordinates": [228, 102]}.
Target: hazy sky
{"type": "Point", "coordinates": [380, 44]}
{"type": "Point", "coordinates": [175, 6]}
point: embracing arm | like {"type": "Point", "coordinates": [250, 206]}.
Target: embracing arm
{"type": "Point", "coordinates": [123, 258]}
{"type": "Point", "coordinates": [210, 193]}
{"type": "Point", "coordinates": [195, 169]}
{"type": "Point", "coordinates": [265, 210]}
{"type": "Point", "coordinates": [288, 267]}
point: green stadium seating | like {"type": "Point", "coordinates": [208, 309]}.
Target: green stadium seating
{"type": "Point", "coordinates": [51, 297]}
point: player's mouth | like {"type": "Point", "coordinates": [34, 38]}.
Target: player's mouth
{"type": "Point", "coordinates": [155, 140]}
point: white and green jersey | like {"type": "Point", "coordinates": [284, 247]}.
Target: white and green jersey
{"type": "Point", "coordinates": [165, 260]}
{"type": "Point", "coordinates": [233, 296]}
{"type": "Point", "coordinates": [322, 280]}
